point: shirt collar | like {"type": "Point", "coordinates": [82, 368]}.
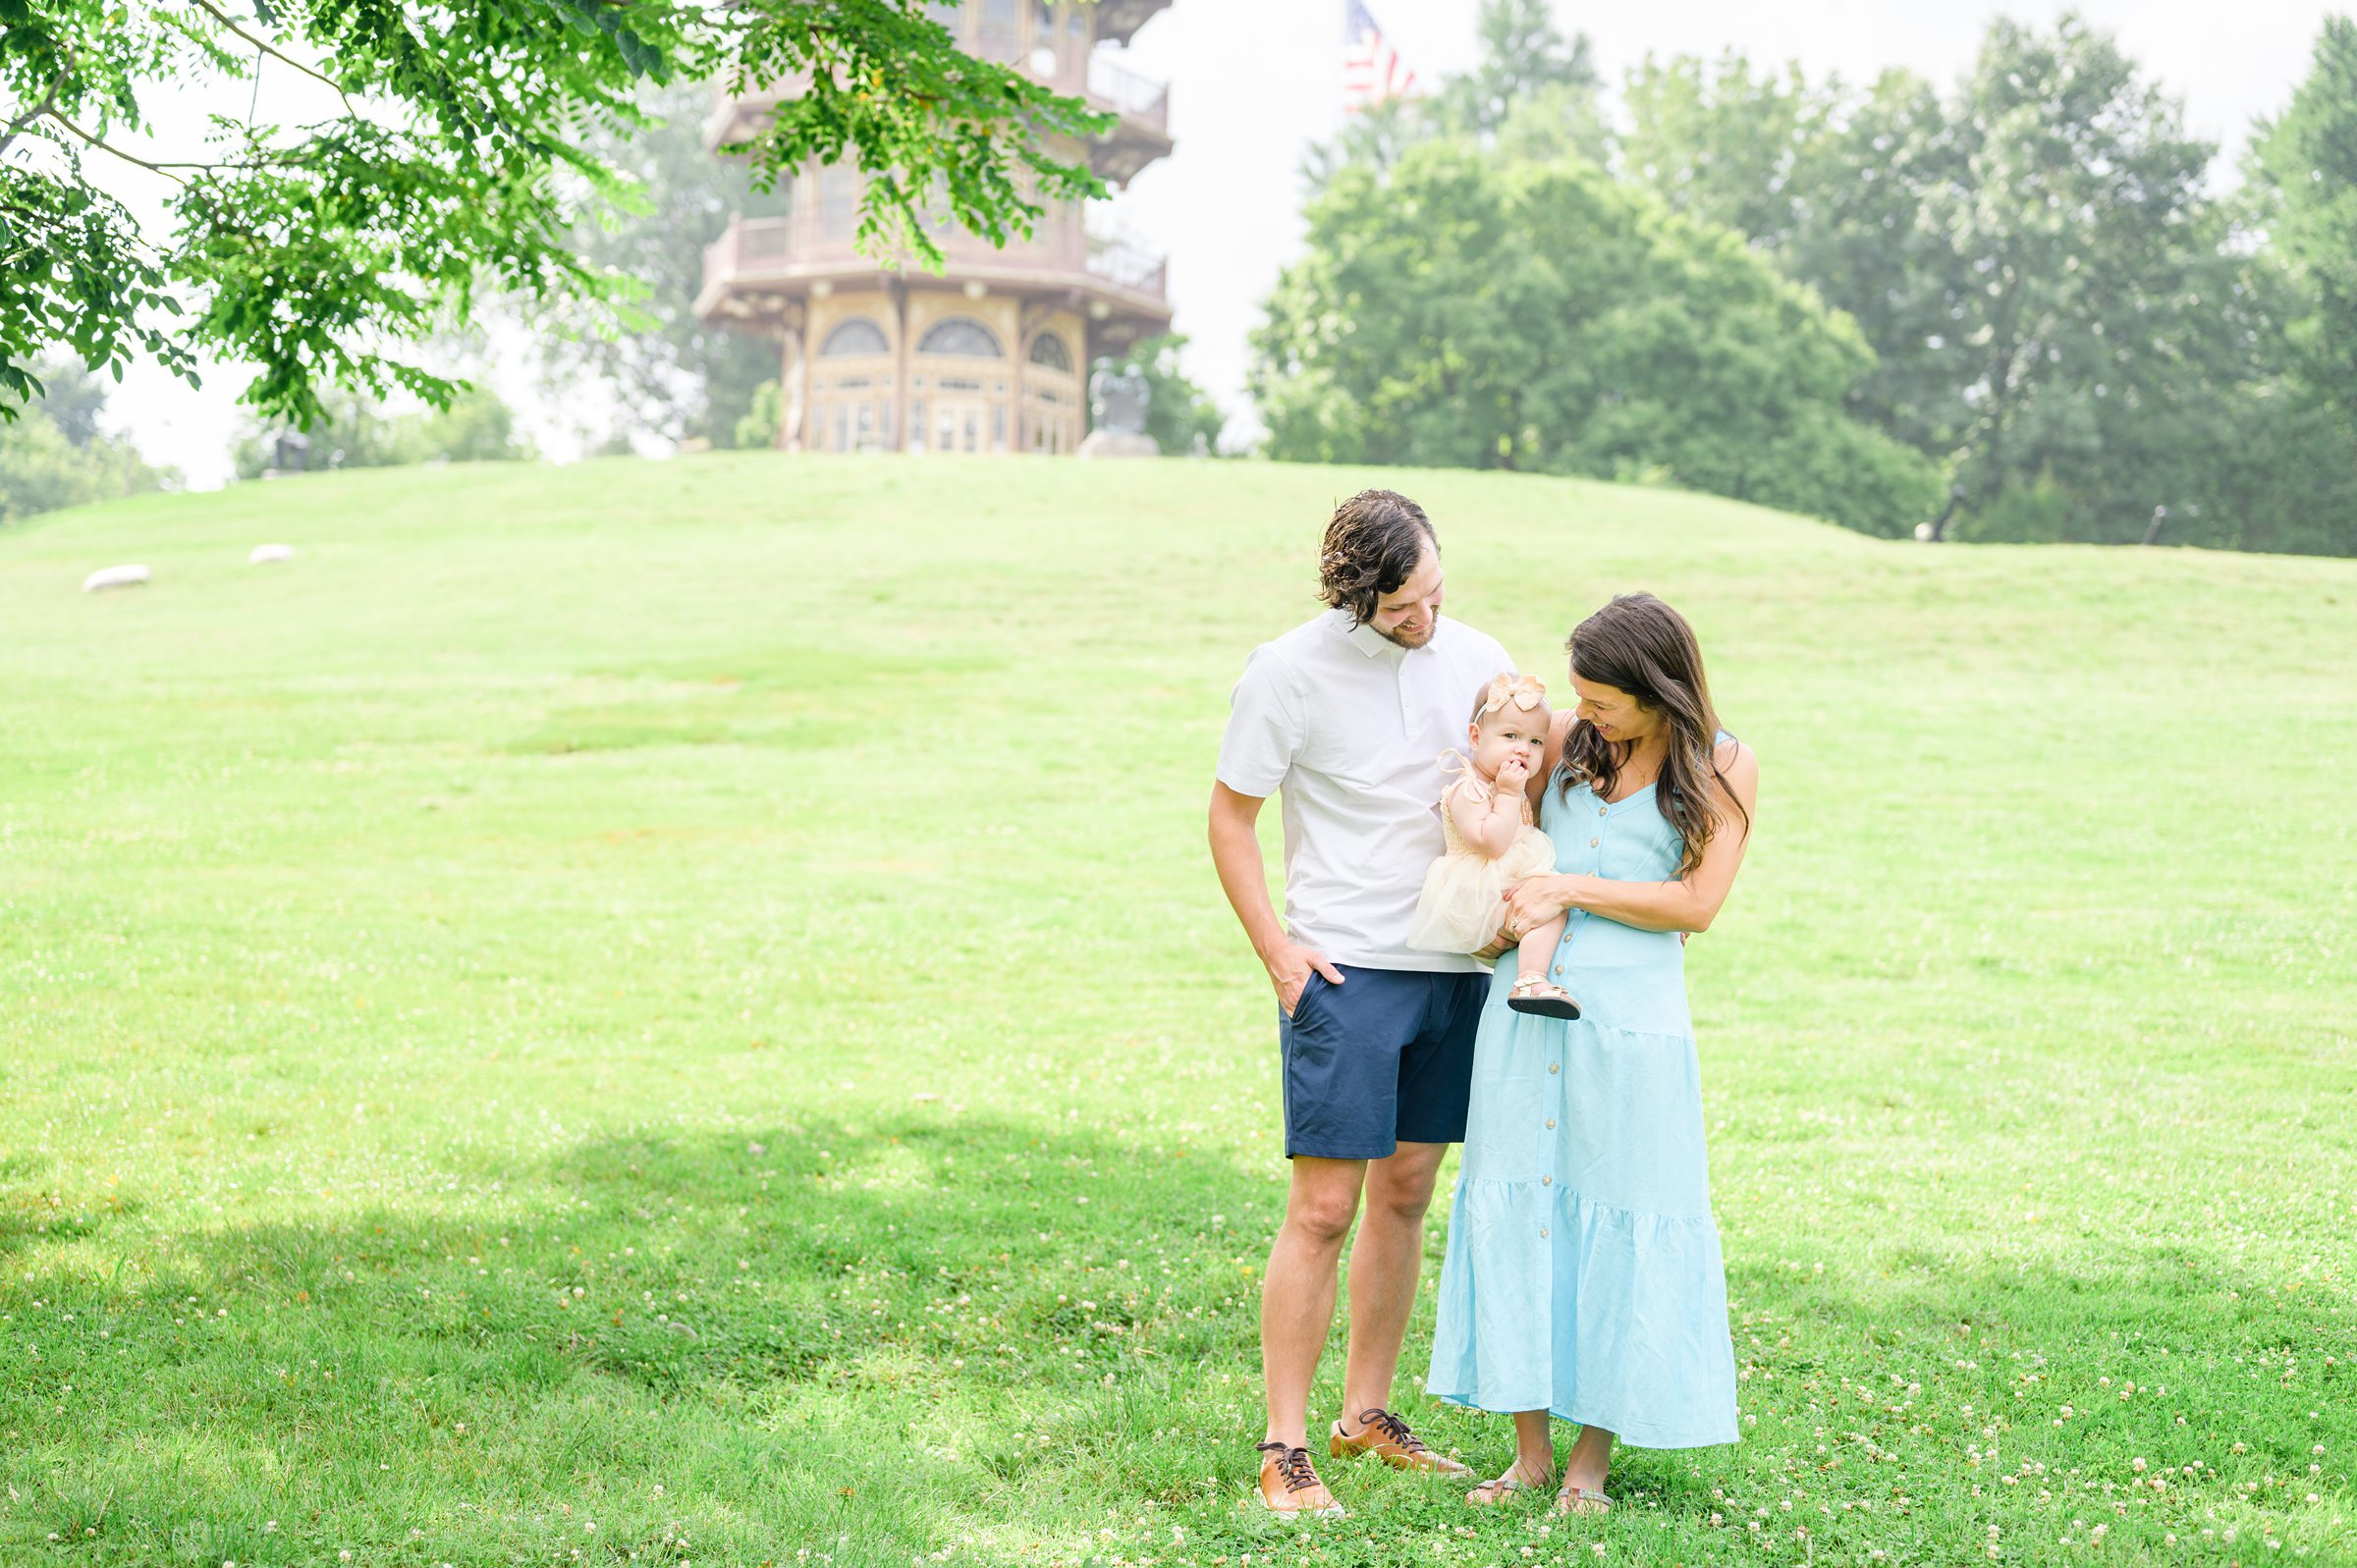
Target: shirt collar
{"type": "Point", "coordinates": [1365, 639]}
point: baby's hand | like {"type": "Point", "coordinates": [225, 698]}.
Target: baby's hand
{"type": "Point", "coordinates": [1513, 772]}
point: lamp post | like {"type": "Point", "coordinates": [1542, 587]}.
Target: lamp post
{"type": "Point", "coordinates": [1936, 531]}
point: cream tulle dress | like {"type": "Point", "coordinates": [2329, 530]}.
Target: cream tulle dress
{"type": "Point", "coordinates": [1460, 908]}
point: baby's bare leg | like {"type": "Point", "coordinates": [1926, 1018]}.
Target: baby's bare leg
{"type": "Point", "coordinates": [1537, 949]}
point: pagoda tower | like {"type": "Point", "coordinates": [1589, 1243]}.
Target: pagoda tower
{"type": "Point", "coordinates": [992, 352]}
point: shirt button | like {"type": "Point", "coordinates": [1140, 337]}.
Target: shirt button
{"type": "Point", "coordinates": [1554, 1066]}
{"type": "Point", "coordinates": [1551, 1124]}
{"type": "Point", "coordinates": [1593, 843]}
{"type": "Point", "coordinates": [1599, 810]}
{"type": "Point", "coordinates": [1542, 1232]}
{"type": "Point", "coordinates": [1559, 968]}
{"type": "Point", "coordinates": [1546, 1181]}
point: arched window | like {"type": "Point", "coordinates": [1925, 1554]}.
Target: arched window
{"type": "Point", "coordinates": [1048, 350]}
{"type": "Point", "coordinates": [960, 336]}
{"type": "Point", "coordinates": [857, 336]}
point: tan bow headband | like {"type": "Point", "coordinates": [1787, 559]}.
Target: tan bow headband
{"type": "Point", "coordinates": [1525, 692]}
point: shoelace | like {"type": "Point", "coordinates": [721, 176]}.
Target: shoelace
{"type": "Point", "coordinates": [1396, 1430]}
{"type": "Point", "coordinates": [1292, 1466]}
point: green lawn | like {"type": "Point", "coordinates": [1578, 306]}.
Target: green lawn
{"type": "Point", "coordinates": [679, 1012]}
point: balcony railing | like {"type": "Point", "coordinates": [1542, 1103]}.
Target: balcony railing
{"type": "Point", "coordinates": [756, 248]}
{"type": "Point", "coordinates": [1119, 263]}
{"type": "Point", "coordinates": [1129, 95]}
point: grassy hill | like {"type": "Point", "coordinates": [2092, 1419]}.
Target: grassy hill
{"type": "Point", "coordinates": [679, 1012]}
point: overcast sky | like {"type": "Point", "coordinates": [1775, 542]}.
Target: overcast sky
{"type": "Point", "coordinates": [1255, 83]}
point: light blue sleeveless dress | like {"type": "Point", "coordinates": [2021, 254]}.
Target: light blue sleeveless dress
{"type": "Point", "coordinates": [1583, 1273]}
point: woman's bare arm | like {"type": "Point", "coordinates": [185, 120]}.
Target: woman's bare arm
{"type": "Point", "coordinates": [1690, 903]}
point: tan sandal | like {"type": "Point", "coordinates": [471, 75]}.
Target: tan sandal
{"type": "Point", "coordinates": [1492, 1493]}
{"type": "Point", "coordinates": [1581, 1500]}
{"type": "Point", "coordinates": [1536, 994]}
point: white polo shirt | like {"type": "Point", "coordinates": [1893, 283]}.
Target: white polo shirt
{"type": "Point", "coordinates": [1350, 726]}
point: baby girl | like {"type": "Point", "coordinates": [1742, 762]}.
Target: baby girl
{"type": "Point", "coordinates": [1485, 816]}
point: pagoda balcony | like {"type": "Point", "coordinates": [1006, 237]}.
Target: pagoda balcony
{"type": "Point", "coordinates": [759, 263]}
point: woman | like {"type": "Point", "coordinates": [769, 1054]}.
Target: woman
{"type": "Point", "coordinates": [1583, 1279]}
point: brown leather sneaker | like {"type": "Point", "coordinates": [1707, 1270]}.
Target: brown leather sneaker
{"type": "Point", "coordinates": [1290, 1485]}
{"type": "Point", "coordinates": [1388, 1438]}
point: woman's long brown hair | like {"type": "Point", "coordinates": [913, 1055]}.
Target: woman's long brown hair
{"type": "Point", "coordinates": [1639, 646]}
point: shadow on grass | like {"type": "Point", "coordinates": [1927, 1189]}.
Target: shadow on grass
{"type": "Point", "coordinates": [796, 1305]}
{"type": "Point", "coordinates": [936, 1329]}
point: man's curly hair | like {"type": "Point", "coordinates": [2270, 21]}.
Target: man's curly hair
{"type": "Point", "coordinates": [1372, 545]}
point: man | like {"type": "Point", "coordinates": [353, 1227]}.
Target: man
{"type": "Point", "coordinates": [1349, 716]}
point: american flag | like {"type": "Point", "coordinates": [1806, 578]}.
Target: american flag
{"type": "Point", "coordinates": [1372, 70]}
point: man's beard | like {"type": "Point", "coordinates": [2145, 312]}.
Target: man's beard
{"type": "Point", "coordinates": [1398, 641]}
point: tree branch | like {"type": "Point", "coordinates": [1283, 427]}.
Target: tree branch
{"type": "Point", "coordinates": [49, 98]}
{"type": "Point", "coordinates": [164, 169]}
{"type": "Point", "coordinates": [277, 54]}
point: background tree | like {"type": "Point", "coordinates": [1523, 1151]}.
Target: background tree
{"type": "Point", "coordinates": [1460, 311]}
{"type": "Point", "coordinates": [55, 454]}
{"type": "Point", "coordinates": [2091, 283]}
{"type": "Point", "coordinates": [1833, 184]}
{"type": "Point", "coordinates": [1524, 57]}
{"type": "Point", "coordinates": [1534, 94]}
{"type": "Point", "coordinates": [360, 433]}
{"type": "Point", "coordinates": [2302, 173]}
{"type": "Point", "coordinates": [1181, 416]}
{"type": "Point", "coordinates": [2287, 473]}
{"type": "Point", "coordinates": [672, 376]}
{"type": "Point", "coordinates": [2060, 311]}
{"type": "Point", "coordinates": [321, 252]}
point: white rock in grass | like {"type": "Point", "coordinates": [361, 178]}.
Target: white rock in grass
{"type": "Point", "coordinates": [115, 578]}
{"type": "Point", "coordinates": [265, 553]}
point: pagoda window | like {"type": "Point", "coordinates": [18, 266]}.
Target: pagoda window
{"type": "Point", "coordinates": [1048, 350]}
{"type": "Point", "coordinates": [857, 337]}
{"type": "Point", "coordinates": [962, 336]}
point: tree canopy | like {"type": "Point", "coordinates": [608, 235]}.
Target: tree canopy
{"type": "Point", "coordinates": [2303, 171]}
{"type": "Point", "coordinates": [1457, 309]}
{"type": "Point", "coordinates": [2049, 306]}
{"type": "Point", "coordinates": [55, 454]}
{"type": "Point", "coordinates": [673, 376]}
{"type": "Point", "coordinates": [457, 163]}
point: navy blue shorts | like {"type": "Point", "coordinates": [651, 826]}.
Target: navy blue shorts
{"type": "Point", "coordinates": [1384, 1058]}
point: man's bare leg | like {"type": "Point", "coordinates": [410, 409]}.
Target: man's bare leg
{"type": "Point", "coordinates": [1385, 1261]}
{"type": "Point", "coordinates": [1297, 1295]}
